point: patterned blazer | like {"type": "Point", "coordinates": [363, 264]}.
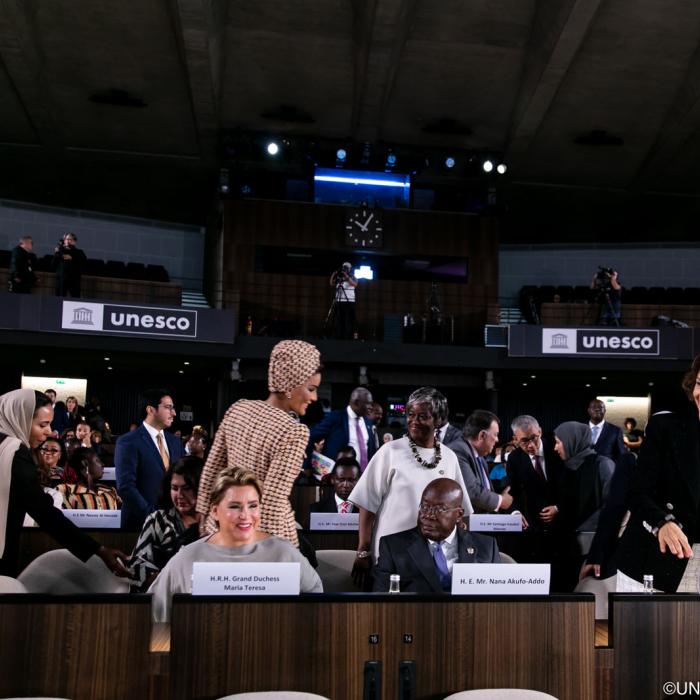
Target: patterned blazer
{"type": "Point", "coordinates": [269, 442]}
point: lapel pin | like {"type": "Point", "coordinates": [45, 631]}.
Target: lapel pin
{"type": "Point", "coordinates": [470, 550]}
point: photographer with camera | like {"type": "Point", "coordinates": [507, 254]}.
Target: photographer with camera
{"type": "Point", "coordinates": [68, 262]}
{"type": "Point", "coordinates": [609, 296]}
{"type": "Point", "coordinates": [344, 301]}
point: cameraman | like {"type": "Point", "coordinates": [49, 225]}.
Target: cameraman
{"type": "Point", "coordinates": [68, 262]}
{"type": "Point", "coordinates": [609, 296]}
{"type": "Point", "coordinates": [344, 301]}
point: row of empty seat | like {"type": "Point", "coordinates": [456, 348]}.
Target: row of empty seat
{"type": "Point", "coordinates": [103, 268]}
{"type": "Point", "coordinates": [567, 294]}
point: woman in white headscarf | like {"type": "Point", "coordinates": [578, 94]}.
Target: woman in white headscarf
{"type": "Point", "coordinates": [25, 422]}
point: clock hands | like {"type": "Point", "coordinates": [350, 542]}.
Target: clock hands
{"type": "Point", "coordinates": [357, 223]}
{"type": "Point", "coordinates": [371, 216]}
{"type": "Point", "coordinates": [364, 227]}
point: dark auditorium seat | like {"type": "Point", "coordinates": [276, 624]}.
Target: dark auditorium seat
{"type": "Point", "coordinates": [675, 295]}
{"type": "Point", "coordinates": [157, 273]}
{"type": "Point", "coordinates": [657, 295]}
{"type": "Point", "coordinates": [5, 256]}
{"type": "Point", "coordinates": [565, 292]}
{"type": "Point", "coordinates": [94, 267]}
{"type": "Point", "coordinates": [635, 295]}
{"type": "Point", "coordinates": [691, 295]}
{"type": "Point", "coordinates": [43, 264]}
{"type": "Point", "coordinates": [115, 268]}
{"type": "Point", "coordinates": [136, 271]}
{"type": "Point", "coordinates": [545, 294]}
{"type": "Point", "coordinates": [583, 294]}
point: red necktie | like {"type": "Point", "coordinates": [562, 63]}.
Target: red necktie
{"type": "Point", "coordinates": [345, 507]}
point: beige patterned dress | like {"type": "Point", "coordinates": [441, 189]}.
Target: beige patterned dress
{"type": "Point", "coordinates": [256, 436]}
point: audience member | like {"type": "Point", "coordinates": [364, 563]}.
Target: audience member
{"type": "Point", "coordinates": [376, 415]}
{"type": "Point", "coordinates": [143, 455]}
{"type": "Point", "coordinates": [83, 432]}
{"type": "Point", "coordinates": [535, 473]}
{"type": "Point", "coordinates": [70, 444]}
{"type": "Point", "coordinates": [61, 421]}
{"type": "Point", "coordinates": [387, 437]}
{"type": "Point", "coordinates": [347, 426]}
{"type": "Point", "coordinates": [87, 492]}
{"type": "Point", "coordinates": [262, 437]}
{"type": "Point", "coordinates": [22, 263]}
{"type": "Point", "coordinates": [47, 456]}
{"type": "Point", "coordinates": [25, 422]}
{"type": "Point", "coordinates": [343, 478]}
{"type": "Point", "coordinates": [585, 487]}
{"type": "Point", "coordinates": [170, 527]}
{"type": "Point", "coordinates": [235, 506]}
{"type": "Point", "coordinates": [76, 413]}
{"type": "Point", "coordinates": [68, 262]}
{"type": "Point", "coordinates": [662, 535]}
{"type": "Point", "coordinates": [50, 460]}
{"type": "Point", "coordinates": [632, 437]}
{"type": "Point", "coordinates": [392, 484]}
{"type": "Point", "coordinates": [424, 556]}
{"type": "Point", "coordinates": [606, 437]}
{"type": "Point", "coordinates": [480, 436]}
{"type": "Point", "coordinates": [196, 445]}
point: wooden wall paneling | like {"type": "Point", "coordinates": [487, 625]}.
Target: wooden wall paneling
{"type": "Point", "coordinates": [83, 648]}
{"type": "Point", "coordinates": [220, 647]}
{"type": "Point", "coordinates": [320, 645]}
{"type": "Point", "coordinates": [656, 640]}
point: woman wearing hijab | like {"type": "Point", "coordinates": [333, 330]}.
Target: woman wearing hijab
{"type": "Point", "coordinates": [25, 422]}
{"type": "Point", "coordinates": [262, 437]}
{"type": "Point", "coordinates": [585, 486]}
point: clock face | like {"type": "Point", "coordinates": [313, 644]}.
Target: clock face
{"type": "Point", "coordinates": [363, 228]}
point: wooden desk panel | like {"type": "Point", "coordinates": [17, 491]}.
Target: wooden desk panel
{"type": "Point", "coordinates": [78, 647]}
{"type": "Point", "coordinates": [320, 644]}
{"type": "Point", "coordinates": [656, 640]}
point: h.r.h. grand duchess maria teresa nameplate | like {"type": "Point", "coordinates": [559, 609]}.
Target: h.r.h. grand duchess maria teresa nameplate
{"type": "Point", "coordinates": [251, 578]}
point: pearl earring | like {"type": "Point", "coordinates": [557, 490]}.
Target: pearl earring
{"type": "Point", "coordinates": [288, 395]}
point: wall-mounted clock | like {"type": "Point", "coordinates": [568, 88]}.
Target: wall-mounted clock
{"type": "Point", "coordinates": [363, 228]}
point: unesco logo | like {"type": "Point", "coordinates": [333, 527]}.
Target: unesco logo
{"type": "Point", "coordinates": [617, 342]}
{"type": "Point", "coordinates": [150, 321]}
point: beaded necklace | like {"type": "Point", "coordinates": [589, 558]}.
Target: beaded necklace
{"type": "Point", "coordinates": [420, 460]}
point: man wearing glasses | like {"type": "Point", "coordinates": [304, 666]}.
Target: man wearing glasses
{"type": "Point", "coordinates": [142, 456]}
{"type": "Point", "coordinates": [424, 556]}
{"type": "Point", "coordinates": [534, 470]}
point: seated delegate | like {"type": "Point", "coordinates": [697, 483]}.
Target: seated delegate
{"type": "Point", "coordinates": [424, 555]}
{"type": "Point", "coordinates": [174, 525]}
{"type": "Point", "coordinates": [235, 507]}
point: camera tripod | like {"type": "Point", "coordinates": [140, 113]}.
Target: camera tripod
{"type": "Point", "coordinates": [339, 317]}
{"type": "Point", "coordinates": [607, 310]}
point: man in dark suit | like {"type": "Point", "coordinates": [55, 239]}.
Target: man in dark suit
{"type": "Point", "coordinates": [344, 476]}
{"type": "Point", "coordinates": [534, 470]}
{"type": "Point", "coordinates": [347, 426]}
{"type": "Point", "coordinates": [607, 438]}
{"type": "Point", "coordinates": [142, 456]}
{"type": "Point", "coordinates": [480, 435]}
{"type": "Point", "coordinates": [22, 263]}
{"type": "Point", "coordinates": [423, 556]}
{"type": "Point", "coordinates": [68, 262]}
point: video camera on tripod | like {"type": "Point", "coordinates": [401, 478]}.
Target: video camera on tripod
{"type": "Point", "coordinates": [603, 278]}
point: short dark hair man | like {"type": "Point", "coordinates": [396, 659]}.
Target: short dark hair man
{"type": "Point", "coordinates": [606, 437]}
{"type": "Point", "coordinates": [481, 435]}
{"type": "Point", "coordinates": [345, 474]}
{"type": "Point", "coordinates": [347, 426]}
{"type": "Point", "coordinates": [22, 263]}
{"type": "Point", "coordinates": [423, 556]}
{"type": "Point", "coordinates": [68, 262]}
{"type": "Point", "coordinates": [142, 455]}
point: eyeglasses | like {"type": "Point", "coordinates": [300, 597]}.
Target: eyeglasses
{"type": "Point", "coordinates": [527, 440]}
{"type": "Point", "coordinates": [50, 450]}
{"type": "Point", "coordinates": [168, 407]}
{"type": "Point", "coordinates": [435, 510]}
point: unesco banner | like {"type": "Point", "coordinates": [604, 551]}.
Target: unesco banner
{"type": "Point", "coordinates": [592, 341]}
{"type": "Point", "coordinates": [27, 312]}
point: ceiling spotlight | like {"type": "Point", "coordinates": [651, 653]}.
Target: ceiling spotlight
{"type": "Point", "coordinates": [487, 165]}
{"type": "Point", "coordinates": [449, 162]}
{"type": "Point", "coordinates": [501, 168]}
{"type": "Point", "coordinates": [42, 361]}
{"type": "Point", "coordinates": [603, 377]}
{"type": "Point", "coordinates": [340, 155]}
{"type": "Point", "coordinates": [651, 384]}
{"type": "Point", "coordinates": [533, 376]}
{"type": "Point", "coordinates": [272, 148]}
{"type": "Point", "coordinates": [524, 383]}
{"type": "Point", "coordinates": [224, 182]}
{"type": "Point", "coordinates": [588, 385]}
{"type": "Point", "coordinates": [109, 368]}
{"type": "Point", "coordinates": [106, 359]}
{"type": "Point", "coordinates": [180, 371]}
{"type": "Point", "coordinates": [185, 363]}
{"type": "Point", "coordinates": [390, 160]}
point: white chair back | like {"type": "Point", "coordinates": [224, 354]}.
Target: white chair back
{"type": "Point", "coordinates": [500, 694]}
{"type": "Point", "coordinates": [274, 695]}
{"type": "Point", "coordinates": [11, 585]}
{"type": "Point", "coordinates": [61, 573]}
{"type": "Point", "coordinates": [600, 589]}
{"type": "Point", "coordinates": [335, 569]}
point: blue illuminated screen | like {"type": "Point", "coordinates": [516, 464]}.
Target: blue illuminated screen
{"type": "Point", "coordinates": [338, 186]}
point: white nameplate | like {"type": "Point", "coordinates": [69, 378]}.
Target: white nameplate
{"type": "Point", "coordinates": [254, 578]}
{"type": "Point", "coordinates": [491, 522]}
{"type": "Point", "coordinates": [87, 517]}
{"type": "Point", "coordinates": [500, 579]}
{"type": "Point", "coordinates": [334, 521]}
{"type": "Point", "coordinates": [109, 474]}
